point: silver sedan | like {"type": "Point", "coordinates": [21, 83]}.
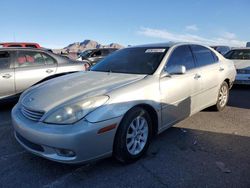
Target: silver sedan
{"type": "Point", "coordinates": [21, 68]}
{"type": "Point", "coordinates": [241, 58]}
{"type": "Point", "coordinates": [122, 102]}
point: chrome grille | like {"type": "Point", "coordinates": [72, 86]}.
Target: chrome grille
{"type": "Point", "coordinates": [31, 114]}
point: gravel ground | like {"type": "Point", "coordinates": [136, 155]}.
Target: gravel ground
{"type": "Point", "coordinates": [209, 149]}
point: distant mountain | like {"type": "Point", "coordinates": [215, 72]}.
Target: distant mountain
{"type": "Point", "coordinates": [87, 44]}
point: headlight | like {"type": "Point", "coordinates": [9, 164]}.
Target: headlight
{"type": "Point", "coordinates": [71, 113]}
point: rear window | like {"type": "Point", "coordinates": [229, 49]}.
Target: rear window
{"type": "Point", "coordinates": [238, 54]}
{"type": "Point", "coordinates": [203, 55]}
{"type": "Point", "coordinates": [4, 60]}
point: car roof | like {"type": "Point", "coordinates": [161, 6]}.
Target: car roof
{"type": "Point", "coordinates": [241, 48]}
{"type": "Point", "coordinates": [158, 45]}
{"type": "Point", "coordinates": [166, 45]}
{"type": "Point", "coordinates": [22, 48]}
{"type": "Point", "coordinates": [19, 43]}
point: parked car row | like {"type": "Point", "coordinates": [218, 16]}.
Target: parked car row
{"type": "Point", "coordinates": [222, 49]}
{"type": "Point", "coordinates": [121, 103]}
{"type": "Point", "coordinates": [92, 56]}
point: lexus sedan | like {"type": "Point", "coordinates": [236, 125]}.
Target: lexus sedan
{"type": "Point", "coordinates": [241, 58]}
{"type": "Point", "coordinates": [21, 68]}
{"type": "Point", "coordinates": [116, 108]}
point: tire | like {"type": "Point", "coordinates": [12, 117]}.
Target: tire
{"type": "Point", "coordinates": [223, 97]}
{"type": "Point", "coordinates": [133, 136]}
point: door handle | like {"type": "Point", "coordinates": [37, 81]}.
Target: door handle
{"type": "Point", "coordinates": [197, 76]}
{"type": "Point", "coordinates": [49, 71]}
{"type": "Point", "coordinates": [221, 69]}
{"type": "Point", "coordinates": [6, 76]}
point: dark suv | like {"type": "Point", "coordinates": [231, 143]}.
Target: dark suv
{"type": "Point", "coordinates": [92, 56]}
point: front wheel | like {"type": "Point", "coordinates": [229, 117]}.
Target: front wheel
{"type": "Point", "coordinates": [133, 136]}
{"type": "Point", "coordinates": [223, 97]}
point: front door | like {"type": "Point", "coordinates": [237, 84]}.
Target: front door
{"type": "Point", "coordinates": [31, 67]}
{"type": "Point", "coordinates": [178, 92]}
{"type": "Point", "coordinates": [7, 77]}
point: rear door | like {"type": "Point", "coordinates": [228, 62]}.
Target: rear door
{"type": "Point", "coordinates": [7, 76]}
{"type": "Point", "coordinates": [211, 72]}
{"type": "Point", "coordinates": [31, 67]}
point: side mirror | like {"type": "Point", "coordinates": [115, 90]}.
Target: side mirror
{"type": "Point", "coordinates": [176, 69]}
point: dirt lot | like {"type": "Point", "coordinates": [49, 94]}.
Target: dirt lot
{"type": "Point", "coordinates": [210, 149]}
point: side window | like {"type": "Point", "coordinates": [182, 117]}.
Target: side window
{"type": "Point", "coordinates": [105, 52]}
{"type": "Point", "coordinates": [4, 60]}
{"type": "Point", "coordinates": [203, 55]}
{"type": "Point", "coordinates": [48, 60]}
{"type": "Point", "coordinates": [181, 56]}
{"type": "Point", "coordinates": [96, 53]}
{"type": "Point", "coordinates": [29, 59]}
{"type": "Point", "coordinates": [30, 46]}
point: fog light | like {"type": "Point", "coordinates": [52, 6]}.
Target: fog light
{"type": "Point", "coordinates": [65, 153]}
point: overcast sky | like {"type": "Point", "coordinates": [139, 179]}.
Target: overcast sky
{"type": "Point", "coordinates": [55, 24]}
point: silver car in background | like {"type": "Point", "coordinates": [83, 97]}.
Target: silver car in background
{"type": "Point", "coordinates": [241, 59]}
{"type": "Point", "coordinates": [122, 102]}
{"type": "Point", "coordinates": [21, 68]}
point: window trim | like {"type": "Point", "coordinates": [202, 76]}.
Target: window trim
{"type": "Point", "coordinates": [26, 67]}
{"type": "Point", "coordinates": [55, 62]}
{"type": "Point", "coordinates": [171, 53]}
{"type": "Point", "coordinates": [211, 52]}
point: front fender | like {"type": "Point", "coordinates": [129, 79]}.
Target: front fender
{"type": "Point", "coordinates": [113, 110]}
{"type": "Point", "coordinates": [143, 92]}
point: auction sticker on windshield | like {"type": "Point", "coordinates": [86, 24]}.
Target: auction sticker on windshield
{"type": "Point", "coordinates": [159, 50]}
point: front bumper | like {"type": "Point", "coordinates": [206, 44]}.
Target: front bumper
{"type": "Point", "coordinates": [81, 138]}
{"type": "Point", "coordinates": [242, 79]}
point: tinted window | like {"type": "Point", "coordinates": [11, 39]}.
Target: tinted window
{"type": "Point", "coordinates": [222, 49]}
{"type": "Point", "coordinates": [96, 53]}
{"type": "Point", "coordinates": [203, 55]}
{"type": "Point", "coordinates": [86, 53]}
{"type": "Point", "coordinates": [238, 54]}
{"type": "Point", "coordinates": [29, 59]}
{"type": "Point", "coordinates": [105, 52]}
{"type": "Point", "coordinates": [48, 60]}
{"type": "Point", "coordinates": [181, 56]}
{"type": "Point", "coordinates": [4, 60]}
{"type": "Point", "coordinates": [139, 60]}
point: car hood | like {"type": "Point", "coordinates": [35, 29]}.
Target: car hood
{"type": "Point", "coordinates": [242, 64]}
{"type": "Point", "coordinates": [57, 91]}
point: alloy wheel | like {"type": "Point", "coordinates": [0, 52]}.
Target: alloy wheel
{"type": "Point", "coordinates": [137, 135]}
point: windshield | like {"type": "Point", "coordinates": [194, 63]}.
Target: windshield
{"type": "Point", "coordinates": [85, 53]}
{"type": "Point", "coordinates": [238, 54]}
{"type": "Point", "coordinates": [138, 60]}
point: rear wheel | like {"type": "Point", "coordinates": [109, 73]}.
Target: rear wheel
{"type": "Point", "coordinates": [223, 97]}
{"type": "Point", "coordinates": [133, 136]}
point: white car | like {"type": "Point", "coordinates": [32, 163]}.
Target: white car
{"type": "Point", "coordinates": [241, 58]}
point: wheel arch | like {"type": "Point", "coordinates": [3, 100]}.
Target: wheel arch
{"type": "Point", "coordinates": [152, 113]}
